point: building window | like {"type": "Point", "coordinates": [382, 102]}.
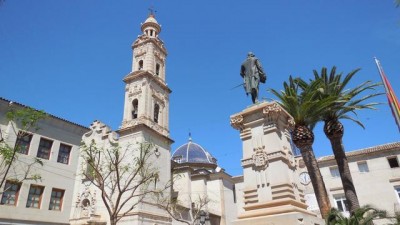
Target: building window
{"type": "Point", "coordinates": [156, 180]}
{"type": "Point", "coordinates": [44, 148]}
{"type": "Point", "coordinates": [363, 167]}
{"type": "Point", "coordinates": [23, 142]}
{"type": "Point", "coordinates": [10, 193]}
{"type": "Point", "coordinates": [35, 196]}
{"type": "Point", "coordinates": [56, 199]}
{"type": "Point", "coordinates": [334, 171]}
{"type": "Point", "coordinates": [135, 108]}
{"type": "Point", "coordinates": [64, 153]}
{"type": "Point", "coordinates": [141, 65]}
{"type": "Point", "coordinates": [341, 203]}
{"type": "Point", "coordinates": [156, 112]}
{"type": "Point", "coordinates": [234, 193]}
{"type": "Point", "coordinates": [393, 162]}
{"type": "Point", "coordinates": [157, 69]}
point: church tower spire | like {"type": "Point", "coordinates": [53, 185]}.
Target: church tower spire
{"type": "Point", "coordinates": [146, 92]}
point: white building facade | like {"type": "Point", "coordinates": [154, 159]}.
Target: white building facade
{"type": "Point", "coordinates": [47, 200]}
{"type": "Point", "coordinates": [376, 176]}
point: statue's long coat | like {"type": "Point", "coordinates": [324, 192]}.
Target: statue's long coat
{"type": "Point", "coordinates": [250, 71]}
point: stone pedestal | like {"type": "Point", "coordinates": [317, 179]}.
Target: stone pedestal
{"type": "Point", "coordinates": [271, 186]}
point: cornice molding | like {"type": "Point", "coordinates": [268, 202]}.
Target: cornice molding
{"type": "Point", "coordinates": [146, 74]}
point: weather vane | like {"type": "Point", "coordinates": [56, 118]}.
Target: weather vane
{"type": "Point", "coordinates": [152, 11]}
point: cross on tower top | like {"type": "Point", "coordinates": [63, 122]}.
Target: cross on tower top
{"type": "Point", "coordinates": [152, 11]}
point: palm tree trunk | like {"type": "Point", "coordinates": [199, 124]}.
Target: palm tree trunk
{"type": "Point", "coordinates": [334, 130]}
{"type": "Point", "coordinates": [316, 179]}
{"type": "Point", "coordinates": [345, 175]}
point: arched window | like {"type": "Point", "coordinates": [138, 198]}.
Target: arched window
{"type": "Point", "coordinates": [140, 64]}
{"type": "Point", "coordinates": [156, 179]}
{"type": "Point", "coordinates": [151, 32]}
{"type": "Point", "coordinates": [157, 69]}
{"type": "Point", "coordinates": [135, 108]}
{"type": "Point", "coordinates": [156, 112]}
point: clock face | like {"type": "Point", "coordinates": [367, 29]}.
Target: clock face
{"type": "Point", "coordinates": [305, 178]}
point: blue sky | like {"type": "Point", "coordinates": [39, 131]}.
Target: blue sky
{"type": "Point", "coordinates": [69, 57]}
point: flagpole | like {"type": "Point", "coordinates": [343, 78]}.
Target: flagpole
{"type": "Point", "coordinates": [393, 102]}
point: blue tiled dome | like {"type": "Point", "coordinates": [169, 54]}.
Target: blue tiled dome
{"type": "Point", "coordinates": [193, 153]}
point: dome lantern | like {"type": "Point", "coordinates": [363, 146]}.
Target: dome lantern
{"type": "Point", "coordinates": [150, 27]}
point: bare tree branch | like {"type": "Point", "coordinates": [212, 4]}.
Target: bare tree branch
{"type": "Point", "coordinates": [123, 175]}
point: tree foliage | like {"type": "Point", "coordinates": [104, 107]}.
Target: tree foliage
{"type": "Point", "coordinates": [21, 122]}
{"type": "Point", "coordinates": [347, 100]}
{"type": "Point", "coordinates": [361, 216]}
{"type": "Point", "coordinates": [300, 100]}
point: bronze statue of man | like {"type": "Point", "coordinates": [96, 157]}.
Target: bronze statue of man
{"type": "Point", "coordinates": [252, 73]}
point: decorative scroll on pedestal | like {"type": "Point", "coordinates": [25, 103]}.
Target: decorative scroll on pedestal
{"type": "Point", "coordinates": [237, 122]}
{"type": "Point", "coordinates": [273, 108]}
{"type": "Point", "coordinates": [291, 123]}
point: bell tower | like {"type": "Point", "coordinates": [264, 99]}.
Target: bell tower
{"type": "Point", "coordinates": [145, 118]}
{"type": "Point", "coordinates": [146, 92]}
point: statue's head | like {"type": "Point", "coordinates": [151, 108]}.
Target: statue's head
{"type": "Point", "coordinates": [250, 54]}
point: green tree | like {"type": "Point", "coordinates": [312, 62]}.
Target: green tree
{"type": "Point", "coordinates": [346, 104]}
{"type": "Point", "coordinates": [361, 216]}
{"type": "Point", "coordinates": [300, 100]}
{"type": "Point", "coordinates": [21, 121]}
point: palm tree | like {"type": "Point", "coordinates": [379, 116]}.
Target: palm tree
{"type": "Point", "coordinates": [347, 101]}
{"type": "Point", "coordinates": [361, 216]}
{"type": "Point", "coordinates": [306, 109]}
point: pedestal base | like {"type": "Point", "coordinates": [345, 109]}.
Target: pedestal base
{"type": "Point", "coordinates": [294, 218]}
{"type": "Point", "coordinates": [271, 193]}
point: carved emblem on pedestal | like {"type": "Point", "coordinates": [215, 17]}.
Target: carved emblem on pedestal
{"type": "Point", "coordinates": [260, 158]}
